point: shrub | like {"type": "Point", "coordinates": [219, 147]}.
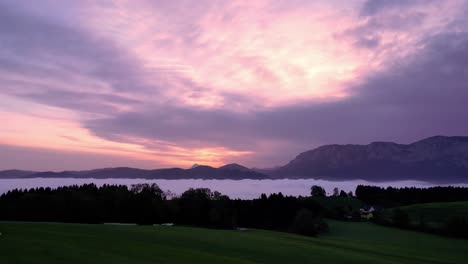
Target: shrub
{"type": "Point", "coordinates": [457, 226]}
{"type": "Point", "coordinates": [400, 218]}
{"type": "Point", "coordinates": [306, 223]}
{"type": "Point", "coordinates": [317, 191]}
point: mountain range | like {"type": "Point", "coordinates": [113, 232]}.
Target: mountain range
{"type": "Point", "coordinates": [230, 171]}
{"type": "Point", "coordinates": [434, 159]}
{"type": "Point", "coordinates": [438, 159]}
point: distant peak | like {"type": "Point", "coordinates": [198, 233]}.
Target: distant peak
{"type": "Point", "coordinates": [234, 166]}
{"type": "Point", "coordinates": [440, 138]}
{"type": "Point", "coordinates": [383, 143]}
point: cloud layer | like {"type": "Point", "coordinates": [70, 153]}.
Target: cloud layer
{"type": "Point", "coordinates": [171, 83]}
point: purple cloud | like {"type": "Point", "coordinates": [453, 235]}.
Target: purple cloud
{"type": "Point", "coordinates": [428, 91]}
{"type": "Point", "coordinates": [123, 93]}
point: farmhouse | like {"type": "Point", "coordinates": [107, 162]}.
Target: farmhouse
{"type": "Point", "coordinates": [367, 212]}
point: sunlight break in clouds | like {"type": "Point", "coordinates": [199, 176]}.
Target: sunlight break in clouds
{"type": "Point", "coordinates": [171, 83]}
{"type": "Point", "coordinates": [260, 50]}
{"type": "Point", "coordinates": [265, 50]}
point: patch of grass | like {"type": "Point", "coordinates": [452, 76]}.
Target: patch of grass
{"type": "Point", "coordinates": [346, 243]}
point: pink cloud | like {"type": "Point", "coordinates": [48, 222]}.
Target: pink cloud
{"type": "Point", "coordinates": [211, 57]}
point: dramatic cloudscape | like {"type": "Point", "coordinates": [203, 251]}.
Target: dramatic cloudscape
{"type": "Point", "coordinates": [150, 84]}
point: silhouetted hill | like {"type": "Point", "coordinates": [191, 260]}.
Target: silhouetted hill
{"type": "Point", "coordinates": [206, 172]}
{"type": "Point", "coordinates": [231, 171]}
{"type": "Point", "coordinates": [435, 159]}
{"type": "Point", "coordinates": [10, 174]}
{"type": "Point", "coordinates": [234, 166]}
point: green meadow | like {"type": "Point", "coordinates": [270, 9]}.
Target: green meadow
{"type": "Point", "coordinates": [346, 243]}
{"type": "Point", "coordinates": [433, 214]}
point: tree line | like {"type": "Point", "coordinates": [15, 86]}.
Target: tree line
{"type": "Point", "coordinates": [393, 197]}
{"type": "Point", "coordinates": [148, 204]}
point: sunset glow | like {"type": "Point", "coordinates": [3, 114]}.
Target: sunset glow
{"type": "Point", "coordinates": [173, 83]}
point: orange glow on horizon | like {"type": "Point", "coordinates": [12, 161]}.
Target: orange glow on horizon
{"type": "Point", "coordinates": [66, 135]}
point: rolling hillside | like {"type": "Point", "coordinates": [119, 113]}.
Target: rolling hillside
{"type": "Point", "coordinates": [346, 243]}
{"type": "Point", "coordinates": [433, 214]}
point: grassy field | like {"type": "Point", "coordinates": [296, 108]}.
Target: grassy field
{"type": "Point", "coordinates": [434, 214]}
{"type": "Point", "coordinates": [346, 243]}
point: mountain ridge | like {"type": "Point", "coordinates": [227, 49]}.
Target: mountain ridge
{"type": "Point", "coordinates": [199, 172]}
{"type": "Point", "coordinates": [436, 159]}
{"type": "Point", "coordinates": [439, 159]}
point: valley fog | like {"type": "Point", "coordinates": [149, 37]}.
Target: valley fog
{"type": "Point", "coordinates": [245, 189]}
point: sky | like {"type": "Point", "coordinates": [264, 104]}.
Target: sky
{"type": "Point", "coordinates": [170, 83]}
